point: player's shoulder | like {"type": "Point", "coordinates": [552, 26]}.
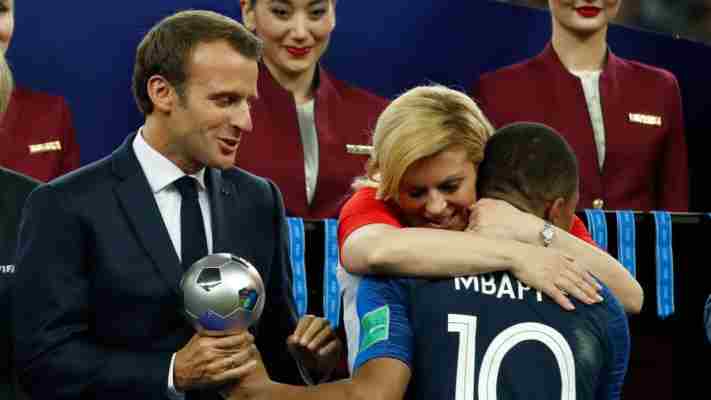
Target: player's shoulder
{"type": "Point", "coordinates": [600, 318]}
{"type": "Point", "coordinates": [381, 282]}
{"type": "Point", "coordinates": [612, 305]}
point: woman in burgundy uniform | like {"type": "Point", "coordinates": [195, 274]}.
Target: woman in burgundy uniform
{"type": "Point", "coordinates": [622, 118]}
{"type": "Point", "coordinates": [36, 131]}
{"type": "Point", "coordinates": [304, 118]}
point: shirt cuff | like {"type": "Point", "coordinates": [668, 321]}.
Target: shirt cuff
{"type": "Point", "coordinates": [173, 393]}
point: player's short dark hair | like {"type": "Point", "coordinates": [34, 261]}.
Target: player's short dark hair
{"type": "Point", "coordinates": [167, 47]}
{"type": "Point", "coordinates": [529, 162]}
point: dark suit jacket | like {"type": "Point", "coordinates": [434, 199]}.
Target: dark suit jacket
{"type": "Point", "coordinates": [343, 114]}
{"type": "Point", "coordinates": [645, 167]}
{"type": "Point", "coordinates": [14, 189]}
{"type": "Point", "coordinates": [34, 118]}
{"type": "Point", "coordinates": [97, 310]}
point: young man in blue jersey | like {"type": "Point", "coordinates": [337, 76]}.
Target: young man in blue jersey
{"type": "Point", "coordinates": [486, 336]}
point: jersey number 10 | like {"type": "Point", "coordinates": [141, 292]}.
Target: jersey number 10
{"type": "Point", "coordinates": [466, 327]}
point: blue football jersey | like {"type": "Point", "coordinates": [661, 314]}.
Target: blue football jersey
{"type": "Point", "coordinates": [491, 337]}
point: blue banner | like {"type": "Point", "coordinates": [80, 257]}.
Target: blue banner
{"type": "Point", "coordinates": [297, 251]}
{"type": "Point", "coordinates": [665, 264]}
{"type": "Point", "coordinates": [597, 224]}
{"type": "Point", "coordinates": [331, 289]}
{"type": "Point", "coordinates": [626, 238]}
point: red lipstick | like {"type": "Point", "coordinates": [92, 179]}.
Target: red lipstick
{"type": "Point", "coordinates": [588, 12]}
{"type": "Point", "coordinates": [298, 51]}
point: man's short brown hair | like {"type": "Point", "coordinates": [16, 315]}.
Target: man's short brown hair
{"type": "Point", "coordinates": [167, 47]}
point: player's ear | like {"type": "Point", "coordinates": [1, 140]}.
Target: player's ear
{"type": "Point", "coordinates": [554, 210]}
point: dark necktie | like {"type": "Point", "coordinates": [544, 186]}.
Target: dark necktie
{"type": "Point", "coordinates": [193, 242]}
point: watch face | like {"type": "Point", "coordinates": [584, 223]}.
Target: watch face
{"type": "Point", "coordinates": [547, 233]}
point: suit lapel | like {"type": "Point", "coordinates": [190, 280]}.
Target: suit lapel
{"type": "Point", "coordinates": [614, 111]}
{"type": "Point", "coordinates": [219, 192]}
{"type": "Point", "coordinates": [229, 218]}
{"type": "Point", "coordinates": [141, 210]}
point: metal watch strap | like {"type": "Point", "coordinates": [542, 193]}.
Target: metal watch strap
{"type": "Point", "coordinates": [547, 233]}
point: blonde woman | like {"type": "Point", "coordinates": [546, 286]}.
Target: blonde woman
{"type": "Point", "coordinates": [35, 120]}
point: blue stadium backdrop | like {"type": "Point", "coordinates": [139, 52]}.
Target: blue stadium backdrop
{"type": "Point", "coordinates": [85, 51]}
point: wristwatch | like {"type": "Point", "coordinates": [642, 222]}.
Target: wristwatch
{"type": "Point", "coordinates": [547, 233]}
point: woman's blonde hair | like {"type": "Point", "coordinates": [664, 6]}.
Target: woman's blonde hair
{"type": "Point", "coordinates": [7, 84]}
{"type": "Point", "coordinates": [421, 123]}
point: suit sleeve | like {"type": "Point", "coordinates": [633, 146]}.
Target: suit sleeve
{"type": "Point", "coordinates": [56, 353]}
{"type": "Point", "coordinates": [71, 159]}
{"type": "Point", "coordinates": [673, 174]}
{"type": "Point", "coordinates": [278, 319]}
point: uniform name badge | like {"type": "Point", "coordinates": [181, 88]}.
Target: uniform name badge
{"type": "Point", "coordinates": [54, 145]}
{"type": "Point", "coordinates": [645, 119]}
{"type": "Point", "coordinates": [359, 149]}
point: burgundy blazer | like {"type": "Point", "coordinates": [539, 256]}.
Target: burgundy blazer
{"type": "Point", "coordinates": [343, 115]}
{"type": "Point", "coordinates": [646, 165]}
{"type": "Point", "coordinates": [37, 135]}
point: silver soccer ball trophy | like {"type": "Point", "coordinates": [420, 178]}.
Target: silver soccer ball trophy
{"type": "Point", "coordinates": [222, 291]}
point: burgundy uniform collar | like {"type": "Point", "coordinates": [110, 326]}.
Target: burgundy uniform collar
{"type": "Point", "coordinates": [550, 60]}
{"type": "Point", "coordinates": [268, 86]}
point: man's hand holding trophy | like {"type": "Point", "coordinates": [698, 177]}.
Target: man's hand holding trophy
{"type": "Point", "coordinates": [223, 295]}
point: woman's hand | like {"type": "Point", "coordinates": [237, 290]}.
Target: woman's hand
{"type": "Point", "coordinates": [556, 275]}
{"type": "Point", "coordinates": [499, 219]}
{"type": "Point", "coordinates": [544, 269]}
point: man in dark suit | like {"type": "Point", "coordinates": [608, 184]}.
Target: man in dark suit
{"type": "Point", "coordinates": [101, 250]}
{"type": "Point", "coordinates": [15, 189]}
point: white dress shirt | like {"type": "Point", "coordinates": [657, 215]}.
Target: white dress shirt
{"type": "Point", "coordinates": [309, 141]}
{"type": "Point", "coordinates": [590, 81]}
